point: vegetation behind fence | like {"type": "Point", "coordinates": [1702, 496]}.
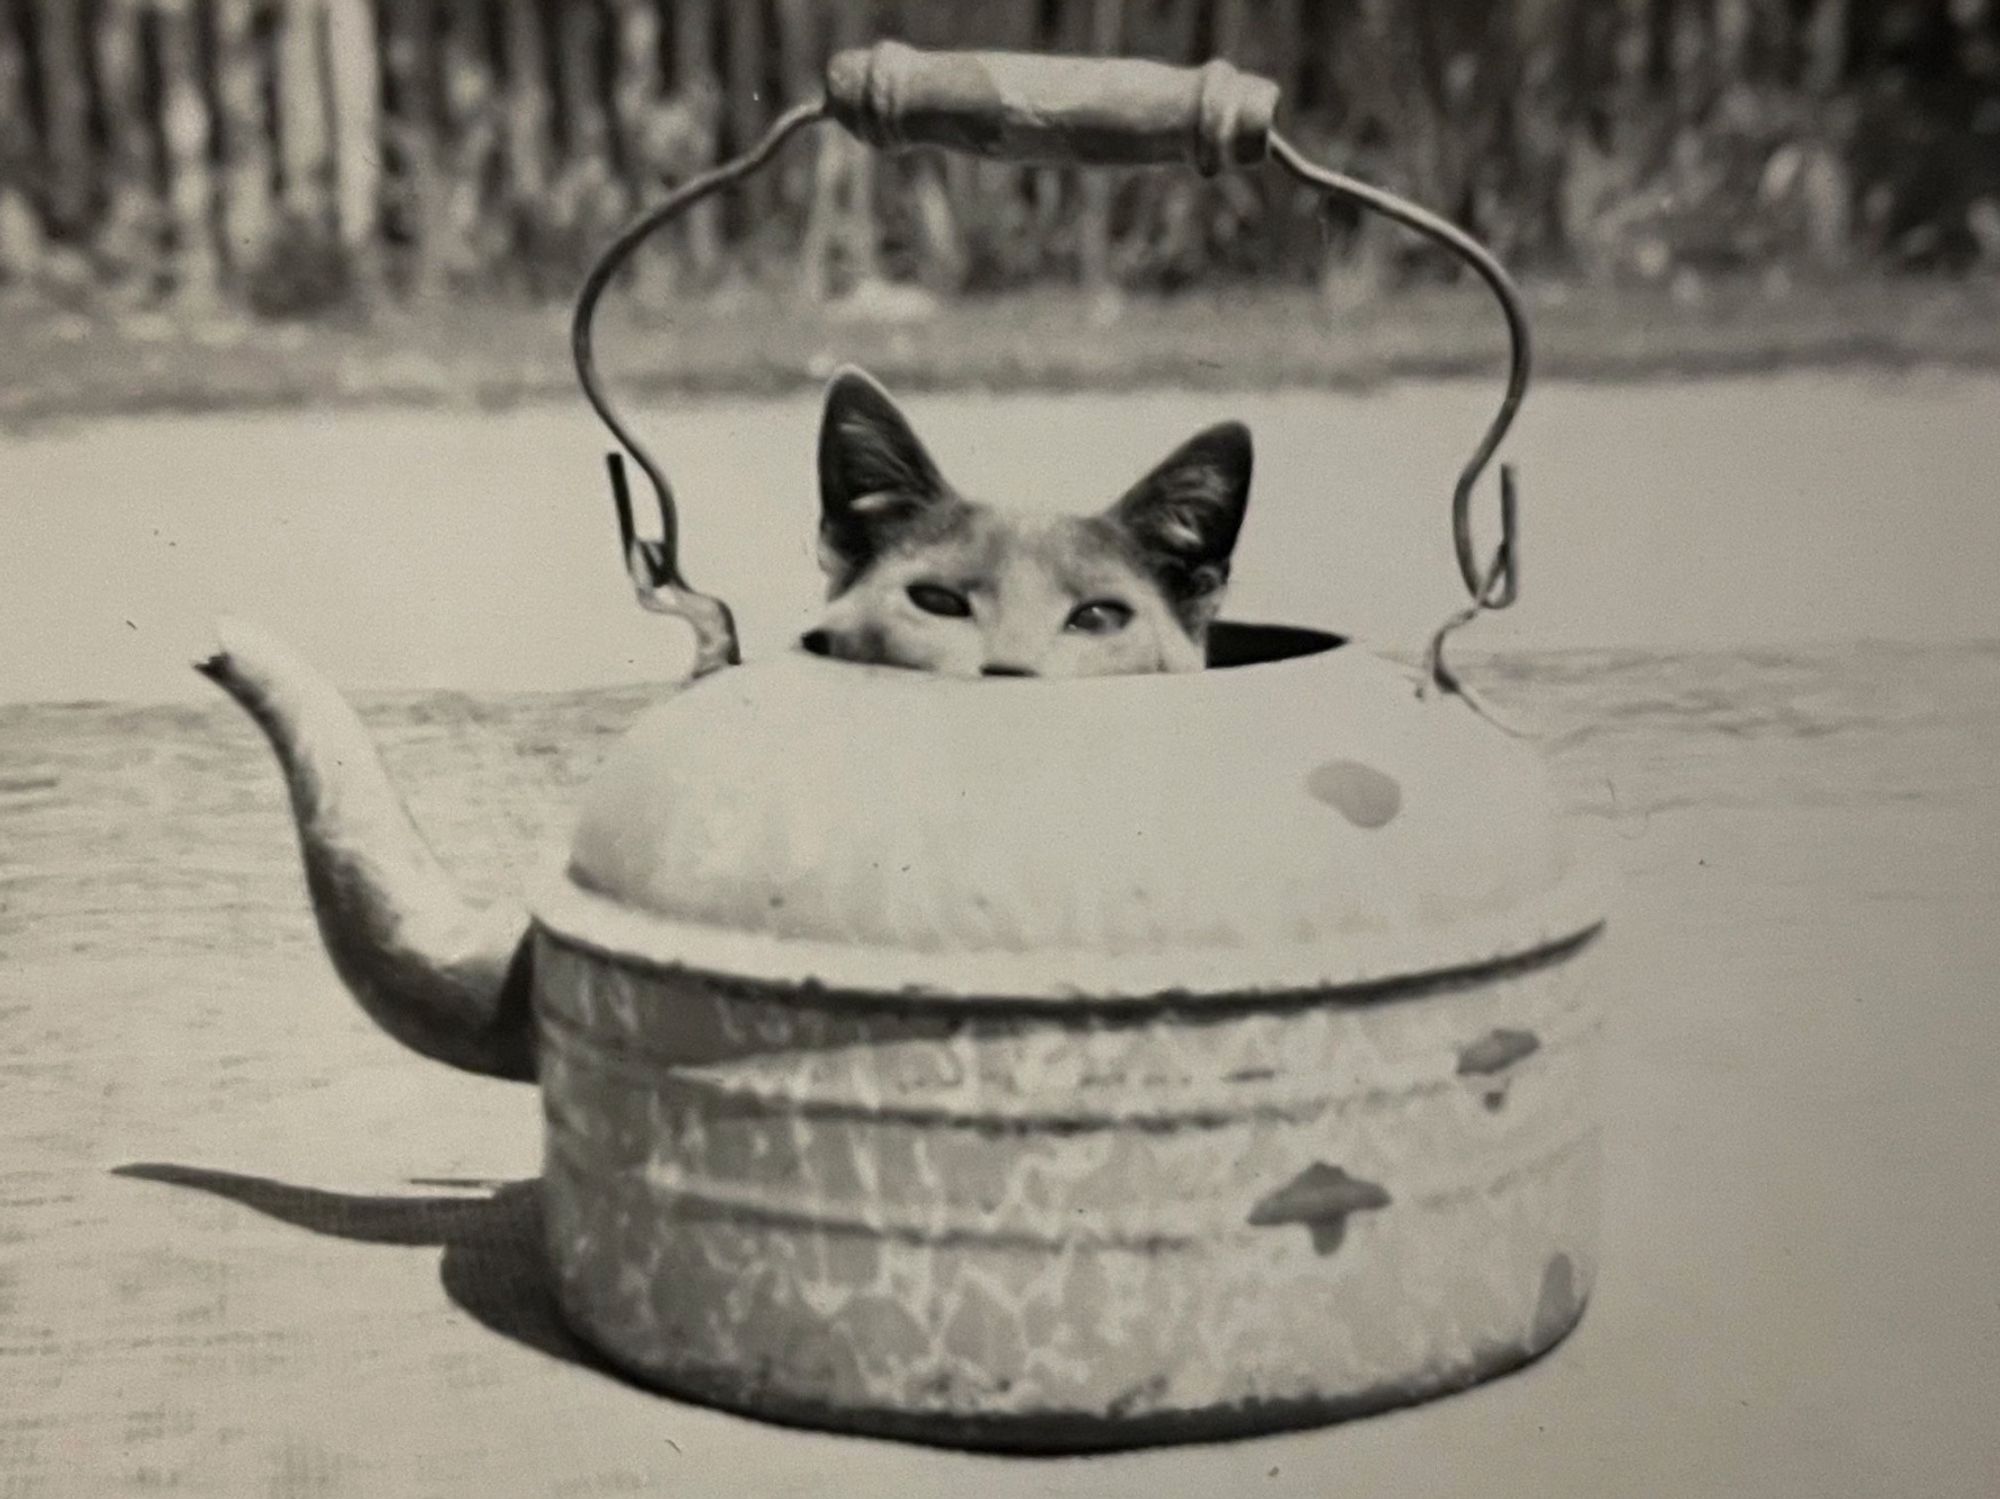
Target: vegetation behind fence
{"type": "Point", "coordinates": [295, 155]}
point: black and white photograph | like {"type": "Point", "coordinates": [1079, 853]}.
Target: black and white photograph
{"type": "Point", "coordinates": [1048, 747]}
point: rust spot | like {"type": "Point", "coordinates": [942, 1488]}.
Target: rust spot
{"type": "Point", "coordinates": [1496, 1051]}
{"type": "Point", "coordinates": [1365, 796]}
{"type": "Point", "coordinates": [1557, 1307]}
{"type": "Point", "coordinates": [1140, 1396]}
{"type": "Point", "coordinates": [1320, 1198]}
{"type": "Point", "coordinates": [1495, 1100]}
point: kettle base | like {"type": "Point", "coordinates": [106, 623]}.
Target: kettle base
{"type": "Point", "coordinates": [1062, 1433]}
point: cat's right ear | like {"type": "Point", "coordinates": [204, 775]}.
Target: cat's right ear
{"type": "Point", "coordinates": [874, 475]}
{"type": "Point", "coordinates": [1185, 515]}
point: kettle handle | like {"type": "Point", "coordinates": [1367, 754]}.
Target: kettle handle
{"type": "Point", "coordinates": [1080, 110]}
{"type": "Point", "coordinates": [1072, 111]}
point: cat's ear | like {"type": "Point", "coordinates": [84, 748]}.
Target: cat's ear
{"type": "Point", "coordinates": [874, 475]}
{"type": "Point", "coordinates": [1184, 516]}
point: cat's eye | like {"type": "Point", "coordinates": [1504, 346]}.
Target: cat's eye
{"type": "Point", "coordinates": [932, 599]}
{"type": "Point", "coordinates": [1100, 617]}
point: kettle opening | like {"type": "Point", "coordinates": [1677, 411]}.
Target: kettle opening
{"type": "Point", "coordinates": [1242, 643]}
{"type": "Point", "coordinates": [1230, 643]}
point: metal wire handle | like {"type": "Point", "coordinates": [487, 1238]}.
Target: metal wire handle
{"type": "Point", "coordinates": [1497, 584]}
{"type": "Point", "coordinates": [654, 566]}
{"type": "Point", "coordinates": [1084, 110]}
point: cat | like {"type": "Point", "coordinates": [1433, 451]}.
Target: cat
{"type": "Point", "coordinates": [921, 577]}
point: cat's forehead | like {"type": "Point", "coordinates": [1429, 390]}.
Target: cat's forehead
{"type": "Point", "coordinates": [985, 538]}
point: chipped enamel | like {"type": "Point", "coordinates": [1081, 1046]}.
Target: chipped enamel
{"type": "Point", "coordinates": [994, 1226]}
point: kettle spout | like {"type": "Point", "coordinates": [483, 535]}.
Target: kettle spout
{"type": "Point", "coordinates": [446, 979]}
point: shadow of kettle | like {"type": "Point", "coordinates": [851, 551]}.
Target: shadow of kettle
{"type": "Point", "coordinates": [493, 1265]}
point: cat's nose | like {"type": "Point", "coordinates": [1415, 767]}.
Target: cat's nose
{"type": "Point", "coordinates": [1002, 669]}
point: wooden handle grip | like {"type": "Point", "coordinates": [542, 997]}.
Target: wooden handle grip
{"type": "Point", "coordinates": [1088, 111]}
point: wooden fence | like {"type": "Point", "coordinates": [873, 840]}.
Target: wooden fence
{"type": "Point", "coordinates": [290, 153]}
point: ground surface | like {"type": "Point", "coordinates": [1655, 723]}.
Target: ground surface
{"type": "Point", "coordinates": [478, 551]}
{"type": "Point", "coordinates": [250, 1247]}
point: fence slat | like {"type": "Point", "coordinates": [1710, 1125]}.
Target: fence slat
{"type": "Point", "coordinates": [926, 183]}
{"type": "Point", "coordinates": [128, 236]}
{"type": "Point", "coordinates": [582, 88]}
{"type": "Point", "coordinates": [186, 128]}
{"type": "Point", "coordinates": [840, 220]}
{"type": "Point", "coordinates": [799, 58]}
{"type": "Point", "coordinates": [638, 102]}
{"type": "Point", "coordinates": [698, 90]}
{"type": "Point", "coordinates": [408, 28]}
{"type": "Point", "coordinates": [588, 196]}
{"type": "Point", "coordinates": [1107, 36]}
{"type": "Point", "coordinates": [66, 114]}
{"type": "Point", "coordinates": [747, 44]}
{"type": "Point", "coordinates": [20, 229]}
{"type": "Point", "coordinates": [1826, 46]}
{"type": "Point", "coordinates": [527, 103]}
{"type": "Point", "coordinates": [304, 142]}
{"type": "Point", "coordinates": [637, 84]}
{"type": "Point", "coordinates": [470, 110]}
{"type": "Point", "coordinates": [247, 176]}
{"type": "Point", "coordinates": [357, 128]}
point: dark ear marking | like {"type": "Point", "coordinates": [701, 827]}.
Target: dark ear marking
{"type": "Point", "coordinates": [874, 473]}
{"type": "Point", "coordinates": [1183, 518]}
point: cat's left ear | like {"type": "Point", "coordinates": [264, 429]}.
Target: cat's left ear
{"type": "Point", "coordinates": [1185, 515]}
{"type": "Point", "coordinates": [875, 476]}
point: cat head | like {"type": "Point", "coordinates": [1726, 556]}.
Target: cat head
{"type": "Point", "coordinates": [920, 576]}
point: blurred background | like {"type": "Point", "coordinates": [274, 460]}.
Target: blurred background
{"type": "Point", "coordinates": [174, 169]}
